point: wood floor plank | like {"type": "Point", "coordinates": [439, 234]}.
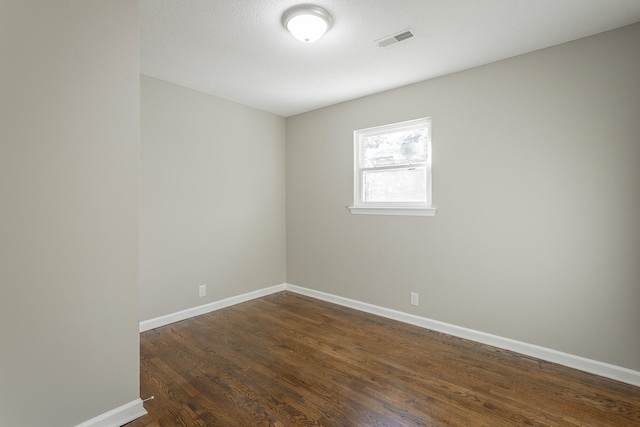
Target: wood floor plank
{"type": "Point", "coordinates": [290, 360]}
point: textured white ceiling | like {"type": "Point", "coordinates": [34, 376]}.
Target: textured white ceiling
{"type": "Point", "coordinates": [239, 50]}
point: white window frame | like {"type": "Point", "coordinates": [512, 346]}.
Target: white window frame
{"type": "Point", "coordinates": [390, 208]}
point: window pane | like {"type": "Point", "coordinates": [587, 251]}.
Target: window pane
{"type": "Point", "coordinates": [397, 148]}
{"type": "Point", "coordinates": [396, 185]}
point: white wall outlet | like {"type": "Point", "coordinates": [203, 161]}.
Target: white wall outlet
{"type": "Point", "coordinates": [202, 290]}
{"type": "Point", "coordinates": [414, 298]}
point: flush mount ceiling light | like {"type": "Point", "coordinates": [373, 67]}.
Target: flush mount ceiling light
{"type": "Point", "coordinates": [307, 22]}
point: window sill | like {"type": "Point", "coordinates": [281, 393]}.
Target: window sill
{"type": "Point", "coordinates": [427, 211]}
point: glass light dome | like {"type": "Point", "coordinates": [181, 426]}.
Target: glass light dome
{"type": "Point", "coordinates": [307, 23]}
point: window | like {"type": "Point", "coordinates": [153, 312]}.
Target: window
{"type": "Point", "coordinates": [392, 174]}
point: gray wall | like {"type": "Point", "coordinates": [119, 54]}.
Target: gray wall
{"type": "Point", "coordinates": [69, 154]}
{"type": "Point", "coordinates": [537, 183]}
{"type": "Point", "coordinates": [212, 207]}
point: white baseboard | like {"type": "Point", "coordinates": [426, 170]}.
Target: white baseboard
{"type": "Point", "coordinates": [117, 417]}
{"type": "Point", "coordinates": [207, 308]}
{"type": "Point", "coordinates": [614, 372]}
{"type": "Point", "coordinates": [606, 370]}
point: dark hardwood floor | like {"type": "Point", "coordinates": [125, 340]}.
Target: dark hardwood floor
{"type": "Point", "coordinates": [289, 360]}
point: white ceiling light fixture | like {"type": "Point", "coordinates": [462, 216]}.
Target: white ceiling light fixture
{"type": "Point", "coordinates": [307, 22]}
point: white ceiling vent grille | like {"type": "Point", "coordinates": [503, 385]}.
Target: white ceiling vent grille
{"type": "Point", "coordinates": [396, 38]}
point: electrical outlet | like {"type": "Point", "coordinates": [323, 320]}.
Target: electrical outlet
{"type": "Point", "coordinates": [202, 290]}
{"type": "Point", "coordinates": [414, 298]}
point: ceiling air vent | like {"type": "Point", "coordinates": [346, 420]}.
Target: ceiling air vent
{"type": "Point", "coordinates": [396, 38]}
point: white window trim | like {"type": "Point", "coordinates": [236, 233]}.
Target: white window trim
{"type": "Point", "coordinates": [371, 210]}
{"type": "Point", "coordinates": [390, 208]}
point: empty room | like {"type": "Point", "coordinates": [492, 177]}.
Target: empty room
{"type": "Point", "coordinates": [362, 213]}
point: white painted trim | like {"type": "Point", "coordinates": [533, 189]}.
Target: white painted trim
{"type": "Point", "coordinates": [207, 308]}
{"type": "Point", "coordinates": [366, 210]}
{"type": "Point", "coordinates": [607, 370]}
{"type": "Point", "coordinates": [117, 417]}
